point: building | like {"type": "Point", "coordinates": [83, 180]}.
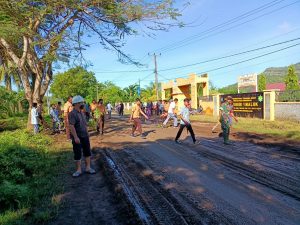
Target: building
{"type": "Point", "coordinates": [191, 87]}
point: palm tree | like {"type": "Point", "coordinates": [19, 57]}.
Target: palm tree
{"type": "Point", "coordinates": [9, 74]}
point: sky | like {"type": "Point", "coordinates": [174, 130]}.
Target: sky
{"type": "Point", "coordinates": [211, 32]}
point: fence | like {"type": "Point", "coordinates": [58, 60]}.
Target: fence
{"type": "Point", "coordinates": [287, 96]}
{"type": "Point", "coordinates": [208, 98]}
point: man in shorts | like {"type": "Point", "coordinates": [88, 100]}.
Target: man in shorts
{"type": "Point", "coordinates": [80, 136]}
{"type": "Point", "coordinates": [135, 117]}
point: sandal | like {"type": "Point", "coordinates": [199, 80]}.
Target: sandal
{"type": "Point", "coordinates": [90, 171]}
{"type": "Point", "coordinates": [76, 174]}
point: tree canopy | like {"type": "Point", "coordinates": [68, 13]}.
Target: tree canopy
{"type": "Point", "coordinates": [262, 82]}
{"type": "Point", "coordinates": [291, 79]}
{"type": "Point", "coordinates": [35, 34]}
{"type": "Point", "coordinates": [75, 81]}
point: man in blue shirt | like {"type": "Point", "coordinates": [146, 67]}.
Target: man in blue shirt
{"type": "Point", "coordinates": [185, 122]}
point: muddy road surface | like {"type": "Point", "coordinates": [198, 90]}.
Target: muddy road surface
{"type": "Point", "coordinates": [167, 183]}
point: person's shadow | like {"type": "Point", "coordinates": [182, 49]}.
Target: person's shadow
{"type": "Point", "coordinates": [146, 133]}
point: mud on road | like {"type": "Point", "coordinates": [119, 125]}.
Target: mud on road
{"type": "Point", "coordinates": [156, 181]}
{"type": "Point", "coordinates": [167, 183]}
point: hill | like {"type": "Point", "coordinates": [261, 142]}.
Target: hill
{"type": "Point", "coordinates": [276, 74]}
{"type": "Point", "coordinates": [273, 74]}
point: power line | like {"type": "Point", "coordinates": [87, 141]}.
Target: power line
{"type": "Point", "coordinates": [232, 55]}
{"type": "Point", "coordinates": [243, 61]}
{"type": "Point", "coordinates": [198, 38]}
{"type": "Point", "coordinates": [221, 25]}
{"type": "Point", "coordinates": [206, 61]}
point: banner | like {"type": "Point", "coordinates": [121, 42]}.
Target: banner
{"type": "Point", "coordinates": [247, 104]}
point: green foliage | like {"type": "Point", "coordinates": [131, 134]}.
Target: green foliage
{"type": "Point", "coordinates": [291, 79]}
{"type": "Point", "coordinates": [230, 89]}
{"type": "Point", "coordinates": [28, 175]}
{"type": "Point", "coordinates": [149, 93]}
{"type": "Point", "coordinates": [11, 103]}
{"type": "Point", "coordinates": [262, 82]}
{"type": "Point", "coordinates": [75, 81]}
{"type": "Point", "coordinates": [110, 92]}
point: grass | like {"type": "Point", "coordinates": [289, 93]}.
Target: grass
{"type": "Point", "coordinates": [32, 170]}
{"type": "Point", "coordinates": [289, 130]}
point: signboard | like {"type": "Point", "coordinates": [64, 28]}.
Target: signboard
{"type": "Point", "coordinates": [249, 80]}
{"type": "Point", "coordinates": [247, 104]}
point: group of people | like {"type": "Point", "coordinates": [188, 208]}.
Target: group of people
{"type": "Point", "coordinates": [76, 114]}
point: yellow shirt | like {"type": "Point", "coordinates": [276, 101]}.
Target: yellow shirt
{"type": "Point", "coordinates": [136, 111]}
{"type": "Point", "coordinates": [67, 108]}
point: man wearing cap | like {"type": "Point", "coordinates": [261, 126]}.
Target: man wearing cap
{"type": "Point", "coordinates": [226, 115]}
{"type": "Point", "coordinates": [80, 136]}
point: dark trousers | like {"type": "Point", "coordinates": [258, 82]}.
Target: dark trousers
{"type": "Point", "coordinates": [189, 128]}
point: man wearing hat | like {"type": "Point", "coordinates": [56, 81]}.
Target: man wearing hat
{"type": "Point", "coordinates": [80, 136]}
{"type": "Point", "coordinates": [226, 115]}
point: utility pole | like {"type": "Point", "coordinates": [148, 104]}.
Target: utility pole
{"type": "Point", "coordinates": [97, 93]}
{"type": "Point", "coordinates": [156, 76]}
{"type": "Point", "coordinates": [139, 90]}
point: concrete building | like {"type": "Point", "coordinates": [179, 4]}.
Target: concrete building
{"type": "Point", "coordinates": [191, 87]}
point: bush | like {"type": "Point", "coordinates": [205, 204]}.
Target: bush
{"type": "Point", "coordinates": [28, 172]}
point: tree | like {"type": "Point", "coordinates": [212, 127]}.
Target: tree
{"type": "Point", "coordinates": [149, 93]}
{"type": "Point", "coordinates": [262, 82]}
{"type": "Point", "coordinates": [110, 92]}
{"type": "Point", "coordinates": [130, 93]}
{"type": "Point", "coordinates": [35, 34]}
{"type": "Point", "coordinates": [75, 81]}
{"type": "Point", "coordinates": [291, 79]}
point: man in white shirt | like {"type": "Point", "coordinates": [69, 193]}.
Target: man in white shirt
{"type": "Point", "coordinates": [109, 109]}
{"type": "Point", "coordinates": [34, 118]}
{"type": "Point", "coordinates": [185, 122]}
{"type": "Point", "coordinates": [172, 113]}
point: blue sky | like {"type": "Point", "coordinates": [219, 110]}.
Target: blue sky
{"type": "Point", "coordinates": [281, 23]}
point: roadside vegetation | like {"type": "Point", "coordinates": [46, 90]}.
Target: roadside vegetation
{"type": "Point", "coordinates": [32, 168]}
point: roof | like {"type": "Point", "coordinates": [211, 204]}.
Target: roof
{"type": "Point", "coordinates": [279, 86]}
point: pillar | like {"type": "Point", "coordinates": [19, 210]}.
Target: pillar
{"type": "Point", "coordinates": [269, 105]}
{"type": "Point", "coordinates": [216, 99]}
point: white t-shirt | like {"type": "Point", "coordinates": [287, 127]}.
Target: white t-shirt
{"type": "Point", "coordinates": [108, 107]}
{"type": "Point", "coordinates": [34, 116]}
{"type": "Point", "coordinates": [185, 113]}
{"type": "Point", "coordinates": [172, 107]}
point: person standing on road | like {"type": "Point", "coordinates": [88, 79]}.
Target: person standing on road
{"type": "Point", "coordinates": [34, 118]}
{"type": "Point", "coordinates": [135, 117]}
{"type": "Point", "coordinates": [226, 116]}
{"type": "Point", "coordinates": [93, 107]}
{"type": "Point", "coordinates": [100, 111]}
{"type": "Point", "coordinates": [121, 109]}
{"type": "Point", "coordinates": [109, 109]}
{"type": "Point", "coordinates": [67, 109]}
{"type": "Point", "coordinates": [80, 136]}
{"type": "Point", "coordinates": [54, 114]}
{"type": "Point", "coordinates": [185, 122]}
{"type": "Point", "coordinates": [171, 113]}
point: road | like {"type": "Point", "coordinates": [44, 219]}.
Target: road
{"type": "Point", "coordinates": [210, 183]}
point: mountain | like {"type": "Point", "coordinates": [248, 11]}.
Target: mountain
{"type": "Point", "coordinates": [273, 75]}
{"type": "Point", "coordinates": [277, 74]}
